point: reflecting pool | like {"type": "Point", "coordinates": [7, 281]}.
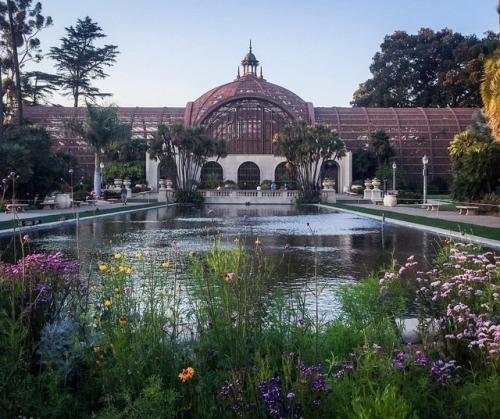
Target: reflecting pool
{"type": "Point", "coordinates": [307, 243]}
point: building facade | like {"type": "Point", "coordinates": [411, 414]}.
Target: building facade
{"type": "Point", "coordinates": [248, 111]}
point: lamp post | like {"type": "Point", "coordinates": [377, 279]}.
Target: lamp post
{"type": "Point", "coordinates": [98, 182]}
{"type": "Point", "coordinates": [394, 178]}
{"type": "Point", "coordinates": [425, 160]}
{"type": "Point", "coordinates": [70, 171]}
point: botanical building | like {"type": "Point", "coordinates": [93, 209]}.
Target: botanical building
{"type": "Point", "coordinates": [249, 110]}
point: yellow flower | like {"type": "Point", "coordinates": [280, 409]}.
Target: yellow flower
{"type": "Point", "coordinates": [138, 255]}
{"type": "Point", "coordinates": [103, 267]}
{"type": "Point", "coordinates": [123, 319]}
{"type": "Point", "coordinates": [108, 302]}
{"type": "Point", "coordinates": [130, 270]}
{"type": "Point", "coordinates": [179, 287]}
{"type": "Point", "coordinates": [201, 307]}
{"type": "Point", "coordinates": [123, 268]}
{"type": "Point", "coordinates": [165, 264]}
{"type": "Point", "coordinates": [112, 347]}
{"type": "Point", "coordinates": [257, 242]}
{"type": "Point", "coordinates": [165, 293]}
{"type": "Point", "coordinates": [113, 269]}
{"type": "Point", "coordinates": [236, 240]}
{"type": "Point", "coordinates": [118, 255]}
{"type": "Point", "coordinates": [186, 374]}
{"type": "Point", "coordinates": [97, 349]}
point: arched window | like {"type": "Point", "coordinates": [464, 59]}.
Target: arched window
{"type": "Point", "coordinates": [285, 173]}
{"type": "Point", "coordinates": [248, 175]}
{"type": "Point", "coordinates": [211, 175]}
{"type": "Point", "coordinates": [248, 125]}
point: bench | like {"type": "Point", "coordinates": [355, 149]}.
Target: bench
{"type": "Point", "coordinates": [378, 201]}
{"type": "Point", "coordinates": [467, 210]}
{"type": "Point", "coordinates": [48, 204]}
{"type": "Point", "coordinates": [11, 208]}
{"type": "Point", "coordinates": [432, 207]}
{"type": "Point", "coordinates": [113, 200]}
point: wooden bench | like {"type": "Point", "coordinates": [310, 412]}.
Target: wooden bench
{"type": "Point", "coordinates": [432, 207]}
{"type": "Point", "coordinates": [467, 210]}
{"type": "Point", "coordinates": [11, 208]}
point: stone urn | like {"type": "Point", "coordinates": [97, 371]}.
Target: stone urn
{"type": "Point", "coordinates": [62, 200]}
{"type": "Point", "coordinates": [168, 184]}
{"type": "Point", "coordinates": [375, 183]}
{"type": "Point", "coordinates": [118, 183]}
{"type": "Point", "coordinates": [328, 183]}
{"type": "Point", "coordinates": [390, 200]}
{"type": "Point", "coordinates": [127, 183]}
{"type": "Point", "coordinates": [162, 182]}
{"type": "Point", "coordinates": [368, 183]}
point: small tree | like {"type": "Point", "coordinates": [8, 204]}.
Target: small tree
{"type": "Point", "coordinates": [79, 61]}
{"type": "Point", "coordinates": [307, 148]}
{"type": "Point", "coordinates": [100, 129]}
{"type": "Point", "coordinates": [187, 150]}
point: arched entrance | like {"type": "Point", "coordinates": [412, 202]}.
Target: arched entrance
{"type": "Point", "coordinates": [248, 175]}
{"type": "Point", "coordinates": [285, 173]}
{"type": "Point", "coordinates": [330, 170]}
{"type": "Point", "coordinates": [211, 175]}
{"type": "Point", "coordinates": [168, 171]}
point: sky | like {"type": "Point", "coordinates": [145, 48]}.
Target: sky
{"type": "Point", "coordinates": [173, 51]}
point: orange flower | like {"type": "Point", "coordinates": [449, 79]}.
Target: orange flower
{"type": "Point", "coordinates": [186, 374]}
{"type": "Point", "coordinates": [123, 319]}
{"type": "Point", "coordinates": [108, 302]}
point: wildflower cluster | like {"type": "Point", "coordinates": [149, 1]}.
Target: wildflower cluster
{"type": "Point", "coordinates": [42, 282]}
{"type": "Point", "coordinates": [463, 296]}
{"type": "Point", "coordinates": [297, 392]}
{"type": "Point", "coordinates": [411, 358]}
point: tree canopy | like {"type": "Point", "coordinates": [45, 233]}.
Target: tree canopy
{"type": "Point", "coordinates": [429, 69]}
{"type": "Point", "coordinates": [20, 22]}
{"type": "Point", "coordinates": [79, 61]}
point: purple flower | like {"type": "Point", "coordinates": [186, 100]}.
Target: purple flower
{"type": "Point", "coordinates": [290, 395]}
{"type": "Point", "coordinates": [287, 246]}
{"type": "Point", "coordinates": [210, 212]}
{"type": "Point", "coordinates": [26, 238]}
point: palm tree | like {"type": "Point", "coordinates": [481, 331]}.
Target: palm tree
{"type": "Point", "coordinates": [306, 148]}
{"type": "Point", "coordinates": [186, 149]}
{"type": "Point", "coordinates": [490, 89]}
{"type": "Point", "coordinates": [100, 128]}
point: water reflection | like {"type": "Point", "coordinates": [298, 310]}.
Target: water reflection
{"type": "Point", "coordinates": [343, 247]}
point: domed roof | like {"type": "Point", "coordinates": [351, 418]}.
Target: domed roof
{"type": "Point", "coordinates": [248, 86]}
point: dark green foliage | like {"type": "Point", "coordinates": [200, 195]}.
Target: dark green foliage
{"type": "Point", "coordinates": [28, 154]}
{"type": "Point", "coordinates": [429, 69]}
{"type": "Point", "coordinates": [475, 165]}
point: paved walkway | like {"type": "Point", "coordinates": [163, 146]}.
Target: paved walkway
{"type": "Point", "coordinates": [416, 210]}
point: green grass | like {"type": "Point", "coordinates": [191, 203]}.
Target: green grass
{"type": "Point", "coordinates": [459, 227]}
{"type": "Point", "coordinates": [52, 218]}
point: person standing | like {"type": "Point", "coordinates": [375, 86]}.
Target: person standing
{"type": "Point", "coordinates": [123, 195]}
